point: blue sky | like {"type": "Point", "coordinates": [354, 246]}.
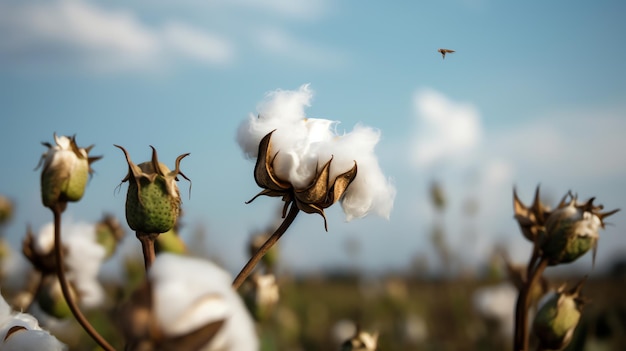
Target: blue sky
{"type": "Point", "coordinates": [535, 94]}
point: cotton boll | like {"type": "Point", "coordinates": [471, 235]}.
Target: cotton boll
{"type": "Point", "coordinates": [282, 110]}
{"type": "Point", "coordinates": [84, 261]}
{"type": "Point", "coordinates": [190, 292]}
{"type": "Point", "coordinates": [370, 190]}
{"type": "Point", "coordinates": [302, 145]}
{"type": "Point", "coordinates": [44, 242]}
{"type": "Point", "coordinates": [5, 311]}
{"type": "Point", "coordinates": [286, 105]}
{"type": "Point", "coordinates": [83, 258]}
{"type": "Point", "coordinates": [32, 337]}
{"type": "Point", "coordinates": [373, 193]}
{"type": "Point", "coordinates": [32, 340]}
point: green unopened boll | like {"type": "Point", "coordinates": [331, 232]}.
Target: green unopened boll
{"type": "Point", "coordinates": [557, 319]}
{"type": "Point", "coordinates": [153, 200]}
{"type": "Point", "coordinates": [66, 170]}
{"type": "Point", "coordinates": [571, 231]}
{"type": "Point", "coordinates": [170, 242]}
{"type": "Point", "coordinates": [50, 299]}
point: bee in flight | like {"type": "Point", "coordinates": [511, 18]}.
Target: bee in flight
{"type": "Point", "coordinates": [444, 52]}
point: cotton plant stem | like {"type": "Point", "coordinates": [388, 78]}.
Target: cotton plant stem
{"type": "Point", "coordinates": [58, 252]}
{"type": "Point", "coordinates": [247, 269]}
{"type": "Point", "coordinates": [147, 247]}
{"type": "Point", "coordinates": [523, 304]}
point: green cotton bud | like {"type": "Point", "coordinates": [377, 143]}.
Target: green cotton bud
{"type": "Point", "coordinates": [571, 231]}
{"type": "Point", "coordinates": [6, 209]}
{"type": "Point", "coordinates": [109, 233]}
{"type": "Point", "coordinates": [557, 319]}
{"type": "Point", "coordinates": [262, 297]}
{"type": "Point", "coordinates": [66, 170]}
{"type": "Point", "coordinates": [50, 298]}
{"type": "Point", "coordinates": [153, 200]}
{"type": "Point", "coordinates": [170, 242]}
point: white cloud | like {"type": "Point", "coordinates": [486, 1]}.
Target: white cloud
{"type": "Point", "coordinates": [446, 129]}
{"type": "Point", "coordinates": [79, 33]}
{"type": "Point", "coordinates": [281, 43]}
{"type": "Point", "coordinates": [297, 9]}
{"type": "Point", "coordinates": [71, 23]}
{"type": "Point", "coordinates": [578, 144]}
{"type": "Point", "coordinates": [196, 44]}
{"type": "Point", "coordinates": [574, 149]}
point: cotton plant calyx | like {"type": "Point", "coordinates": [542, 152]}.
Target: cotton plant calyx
{"type": "Point", "coordinates": [557, 319]}
{"type": "Point", "coordinates": [318, 195]}
{"type": "Point", "coordinates": [571, 230]}
{"type": "Point", "coordinates": [66, 170]}
{"type": "Point", "coordinates": [153, 199]}
{"type": "Point", "coordinates": [43, 262]}
{"type": "Point", "coordinates": [530, 219]}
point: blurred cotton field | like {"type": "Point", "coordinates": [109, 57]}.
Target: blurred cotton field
{"type": "Point", "coordinates": [444, 240]}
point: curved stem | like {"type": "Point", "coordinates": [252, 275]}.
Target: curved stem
{"type": "Point", "coordinates": [247, 269]}
{"type": "Point", "coordinates": [523, 303]}
{"type": "Point", "coordinates": [147, 247]}
{"type": "Point", "coordinates": [58, 252]}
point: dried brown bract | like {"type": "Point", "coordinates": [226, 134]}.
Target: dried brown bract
{"type": "Point", "coordinates": [321, 193]}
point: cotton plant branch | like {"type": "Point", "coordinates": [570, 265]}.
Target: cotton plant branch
{"type": "Point", "coordinates": [559, 236]}
{"type": "Point", "coordinates": [269, 243]}
{"type": "Point", "coordinates": [65, 287]}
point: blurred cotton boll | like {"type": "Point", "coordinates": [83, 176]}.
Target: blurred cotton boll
{"type": "Point", "coordinates": [305, 144]}
{"type": "Point", "coordinates": [189, 293]}
{"type": "Point", "coordinates": [498, 304]}
{"type": "Point", "coordinates": [21, 331]}
{"type": "Point", "coordinates": [83, 259]}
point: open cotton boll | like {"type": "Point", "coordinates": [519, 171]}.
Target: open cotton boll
{"type": "Point", "coordinates": [287, 105]}
{"type": "Point", "coordinates": [44, 241]}
{"type": "Point", "coordinates": [189, 293]}
{"type": "Point", "coordinates": [32, 340]}
{"type": "Point", "coordinates": [83, 258]}
{"type": "Point", "coordinates": [280, 110]}
{"type": "Point", "coordinates": [32, 337]}
{"type": "Point", "coordinates": [302, 145]}
{"type": "Point", "coordinates": [497, 302]}
{"type": "Point", "coordinates": [370, 190]}
{"type": "Point", "coordinates": [5, 311]}
{"type": "Point", "coordinates": [84, 261]}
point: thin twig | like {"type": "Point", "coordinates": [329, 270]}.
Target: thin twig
{"type": "Point", "coordinates": [147, 246]}
{"type": "Point", "coordinates": [58, 252]}
{"type": "Point", "coordinates": [523, 303]}
{"type": "Point", "coordinates": [247, 269]}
